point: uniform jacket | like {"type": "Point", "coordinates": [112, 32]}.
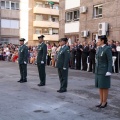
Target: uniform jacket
{"type": "Point", "coordinates": [23, 54]}
{"type": "Point", "coordinates": [42, 53]}
{"type": "Point", "coordinates": [63, 57]}
{"type": "Point", "coordinates": [103, 60]}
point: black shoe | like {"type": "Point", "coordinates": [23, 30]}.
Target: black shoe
{"type": "Point", "coordinates": [62, 91]}
{"type": "Point", "coordinates": [58, 90]}
{"type": "Point", "coordinates": [89, 71]}
{"type": "Point", "coordinates": [103, 106]}
{"type": "Point", "coordinates": [20, 80]}
{"type": "Point", "coordinates": [98, 105]}
{"type": "Point", "coordinates": [41, 84]}
{"type": "Point", "coordinates": [23, 81]}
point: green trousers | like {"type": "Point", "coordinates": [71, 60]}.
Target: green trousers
{"type": "Point", "coordinates": [42, 74]}
{"type": "Point", "coordinates": [63, 77]}
{"type": "Point", "coordinates": [23, 71]}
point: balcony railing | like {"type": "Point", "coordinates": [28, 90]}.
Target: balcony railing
{"type": "Point", "coordinates": [47, 37]}
{"type": "Point", "coordinates": [47, 11]}
{"type": "Point", "coordinates": [47, 24]}
{"type": "Point", "coordinates": [56, 1]}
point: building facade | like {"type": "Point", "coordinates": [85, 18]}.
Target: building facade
{"type": "Point", "coordinates": [9, 21]}
{"type": "Point", "coordinates": [69, 19]}
{"type": "Point", "coordinates": [96, 17]}
{"type": "Point", "coordinates": [43, 20]}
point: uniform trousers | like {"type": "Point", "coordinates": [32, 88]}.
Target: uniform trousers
{"type": "Point", "coordinates": [42, 73]}
{"type": "Point", "coordinates": [23, 71]}
{"type": "Point", "coordinates": [63, 77]}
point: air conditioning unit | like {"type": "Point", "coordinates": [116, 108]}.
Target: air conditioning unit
{"type": "Point", "coordinates": [102, 28]}
{"type": "Point", "coordinates": [84, 33]}
{"type": "Point", "coordinates": [83, 9]}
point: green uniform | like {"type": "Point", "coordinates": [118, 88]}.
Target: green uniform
{"type": "Point", "coordinates": [63, 62]}
{"type": "Point", "coordinates": [103, 65]}
{"type": "Point", "coordinates": [22, 61]}
{"type": "Point", "coordinates": [41, 62]}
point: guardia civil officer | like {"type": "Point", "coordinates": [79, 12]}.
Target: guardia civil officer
{"type": "Point", "coordinates": [41, 60]}
{"type": "Point", "coordinates": [63, 64]}
{"type": "Point", "coordinates": [23, 60]}
{"type": "Point", "coordinates": [103, 70]}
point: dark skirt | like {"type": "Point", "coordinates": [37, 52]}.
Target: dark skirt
{"type": "Point", "coordinates": [102, 81]}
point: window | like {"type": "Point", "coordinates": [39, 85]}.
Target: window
{"type": "Point", "coordinates": [76, 15]}
{"type": "Point", "coordinates": [10, 23]}
{"type": "Point", "coordinates": [69, 16]}
{"type": "Point", "coordinates": [12, 5]}
{"type": "Point", "coordinates": [55, 31]}
{"type": "Point", "coordinates": [38, 31]}
{"type": "Point", "coordinates": [45, 31]}
{"type": "Point", "coordinates": [72, 16]}
{"type": "Point", "coordinates": [55, 6]}
{"type": "Point", "coordinates": [2, 4]}
{"type": "Point", "coordinates": [55, 19]}
{"type": "Point", "coordinates": [97, 11]}
{"type": "Point", "coordinates": [38, 4]}
{"type": "Point", "coordinates": [17, 6]}
{"type": "Point", "coordinates": [4, 40]}
{"type": "Point", "coordinates": [7, 5]}
{"type": "Point", "coordinates": [38, 17]}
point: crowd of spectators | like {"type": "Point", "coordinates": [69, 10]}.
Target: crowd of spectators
{"type": "Point", "coordinates": [82, 54]}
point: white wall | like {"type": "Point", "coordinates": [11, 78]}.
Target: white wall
{"type": "Point", "coordinates": [24, 19]}
{"type": "Point", "coordinates": [72, 27]}
{"type": "Point", "coordinates": [69, 4]}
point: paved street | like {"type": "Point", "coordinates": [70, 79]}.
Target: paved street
{"type": "Point", "coordinates": [27, 101]}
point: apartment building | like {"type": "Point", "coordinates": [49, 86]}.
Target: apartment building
{"type": "Point", "coordinates": [9, 21]}
{"type": "Point", "coordinates": [70, 19]}
{"type": "Point", "coordinates": [94, 17]}
{"type": "Point", "coordinates": [100, 17]}
{"type": "Point", "coordinates": [43, 19]}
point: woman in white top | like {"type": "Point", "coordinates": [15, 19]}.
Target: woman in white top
{"type": "Point", "coordinates": [53, 53]}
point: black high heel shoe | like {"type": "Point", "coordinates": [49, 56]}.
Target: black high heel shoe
{"type": "Point", "coordinates": [98, 105]}
{"type": "Point", "coordinates": [103, 106]}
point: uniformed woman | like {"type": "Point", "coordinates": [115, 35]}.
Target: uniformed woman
{"type": "Point", "coordinates": [103, 70]}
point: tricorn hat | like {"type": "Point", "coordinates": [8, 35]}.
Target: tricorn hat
{"type": "Point", "coordinates": [103, 37]}
{"type": "Point", "coordinates": [42, 36]}
{"type": "Point", "coordinates": [22, 39]}
{"type": "Point", "coordinates": [63, 39]}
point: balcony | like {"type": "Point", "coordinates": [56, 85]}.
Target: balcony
{"type": "Point", "coordinates": [47, 37]}
{"type": "Point", "coordinates": [56, 1]}
{"type": "Point", "coordinates": [14, 14]}
{"type": "Point", "coordinates": [9, 32]}
{"type": "Point", "coordinates": [46, 24]}
{"type": "Point", "coordinates": [47, 11]}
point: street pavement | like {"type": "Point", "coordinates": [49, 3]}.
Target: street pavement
{"type": "Point", "coordinates": [27, 101]}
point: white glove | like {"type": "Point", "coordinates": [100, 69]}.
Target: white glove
{"type": "Point", "coordinates": [25, 62]}
{"type": "Point", "coordinates": [108, 74]}
{"type": "Point", "coordinates": [42, 62]}
{"type": "Point", "coordinates": [64, 68]}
